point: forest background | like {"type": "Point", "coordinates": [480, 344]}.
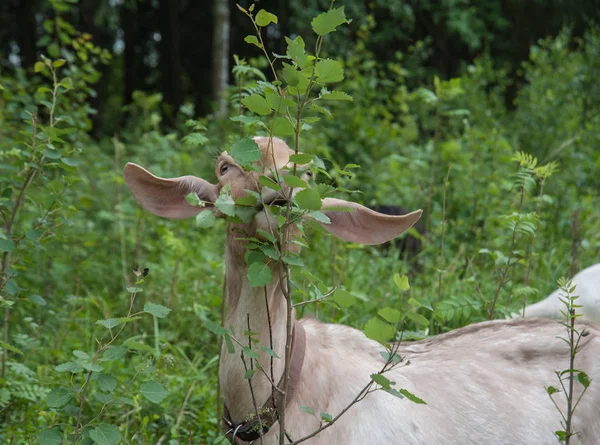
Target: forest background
{"type": "Point", "coordinates": [486, 114]}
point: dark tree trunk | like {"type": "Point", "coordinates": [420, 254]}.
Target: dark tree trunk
{"type": "Point", "coordinates": [220, 59]}
{"type": "Point", "coordinates": [26, 32]}
{"type": "Point", "coordinates": [170, 55]}
{"type": "Point", "coordinates": [129, 26]}
{"type": "Point", "coordinates": [103, 38]}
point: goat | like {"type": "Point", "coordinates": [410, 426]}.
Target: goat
{"type": "Point", "coordinates": [483, 384]}
{"type": "Point", "coordinates": [408, 246]}
{"type": "Point", "coordinates": [588, 290]}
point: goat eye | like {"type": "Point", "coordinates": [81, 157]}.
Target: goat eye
{"type": "Point", "coordinates": [224, 168]}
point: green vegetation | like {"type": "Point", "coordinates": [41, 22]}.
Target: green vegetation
{"type": "Point", "coordinates": [109, 314]}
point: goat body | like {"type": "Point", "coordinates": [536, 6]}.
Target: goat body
{"type": "Point", "coordinates": [588, 290]}
{"type": "Point", "coordinates": [483, 384]}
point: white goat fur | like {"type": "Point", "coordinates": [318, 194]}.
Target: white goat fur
{"type": "Point", "coordinates": [588, 290]}
{"type": "Point", "coordinates": [483, 384]}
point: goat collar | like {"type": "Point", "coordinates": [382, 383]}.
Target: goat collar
{"type": "Point", "coordinates": [251, 429]}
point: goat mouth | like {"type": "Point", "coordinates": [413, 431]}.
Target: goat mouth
{"type": "Point", "coordinates": [279, 202]}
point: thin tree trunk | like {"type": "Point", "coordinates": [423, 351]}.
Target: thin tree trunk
{"type": "Point", "coordinates": [220, 61]}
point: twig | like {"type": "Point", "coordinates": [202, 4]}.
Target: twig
{"type": "Point", "coordinates": [316, 300]}
{"type": "Point", "coordinates": [443, 234]}
{"type": "Point", "coordinates": [185, 401]}
{"type": "Point", "coordinates": [475, 278]}
{"type": "Point", "coordinates": [270, 345]}
{"type": "Point", "coordinates": [256, 411]}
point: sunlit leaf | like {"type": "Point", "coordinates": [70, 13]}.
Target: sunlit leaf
{"type": "Point", "coordinates": [327, 22]}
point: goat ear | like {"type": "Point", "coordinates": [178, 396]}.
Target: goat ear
{"type": "Point", "coordinates": [166, 196]}
{"type": "Point", "coordinates": [358, 224]}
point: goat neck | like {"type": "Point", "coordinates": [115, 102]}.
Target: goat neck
{"type": "Point", "coordinates": [264, 309]}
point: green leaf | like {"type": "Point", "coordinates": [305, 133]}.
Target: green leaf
{"type": "Point", "coordinates": [70, 162]}
{"type": "Point", "coordinates": [138, 346]}
{"type": "Point", "coordinates": [250, 353]}
{"type": "Point", "coordinates": [89, 366]}
{"type": "Point", "coordinates": [114, 353]}
{"type": "Point", "coordinates": [561, 435]}
{"type": "Point", "coordinates": [269, 351]}
{"type": "Point", "coordinates": [58, 397]}
{"type": "Point", "coordinates": [246, 120]}
{"type": "Point", "coordinates": [420, 302]}
{"type": "Point", "coordinates": [11, 348]}
{"type": "Point", "coordinates": [52, 154]}
{"type": "Point", "coordinates": [294, 181]}
{"type": "Point", "coordinates": [401, 281]}
{"type": "Point", "coordinates": [319, 216]}
{"type": "Point", "coordinates": [195, 140]}
{"type": "Point", "coordinates": [584, 379]}
{"type": "Point", "coordinates": [215, 328]}
{"type": "Point", "coordinates": [327, 22]}
{"type": "Point", "coordinates": [326, 417]}
{"type": "Point", "coordinates": [6, 245]}
{"type": "Point", "coordinates": [37, 300]}
{"type": "Point", "coordinates": [71, 367]}
{"type": "Point", "coordinates": [134, 289]}
{"type": "Point", "coordinates": [301, 158]}
{"type": "Point", "coordinates": [58, 63]}
{"type": "Point", "coordinates": [390, 315]}
{"type": "Point", "coordinates": [291, 75]}
{"type": "Point", "coordinates": [307, 410]}
{"type": "Point", "coordinates": [381, 381]}
{"type": "Point", "coordinates": [282, 127]}
{"type": "Point", "coordinates": [249, 201]}
{"type": "Point", "coordinates": [39, 67]}
{"type": "Point", "coordinates": [293, 260]}
{"type": "Point", "coordinates": [264, 18]}
{"type": "Point", "coordinates": [336, 95]}
{"type": "Point", "coordinates": [105, 434]}
{"type": "Point", "coordinates": [378, 330]}
{"type": "Point", "coordinates": [344, 298]}
{"type": "Point", "coordinates": [269, 183]}
{"type": "Point", "coordinates": [109, 323]}
{"type": "Point", "coordinates": [229, 343]}
{"type": "Point", "coordinates": [259, 274]}
{"type": "Point", "coordinates": [257, 104]}
{"type": "Point", "coordinates": [329, 71]}
{"type": "Point", "coordinates": [81, 354]}
{"type": "Point", "coordinates": [295, 50]}
{"type": "Point", "coordinates": [50, 436]}
{"type": "Point", "coordinates": [157, 310]}
{"type": "Point", "coordinates": [205, 219]}
{"type": "Point", "coordinates": [249, 373]}
{"type": "Point", "coordinates": [245, 151]}
{"type": "Point", "coordinates": [309, 199]}
{"type": "Point", "coordinates": [270, 252]}
{"type": "Point", "coordinates": [225, 204]}
{"type": "Point", "coordinates": [418, 319]}
{"type": "Point", "coordinates": [253, 40]}
{"type": "Point", "coordinates": [193, 200]}
{"type": "Point", "coordinates": [107, 382]}
{"type": "Point", "coordinates": [410, 396]}
{"type": "Point", "coordinates": [153, 391]}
